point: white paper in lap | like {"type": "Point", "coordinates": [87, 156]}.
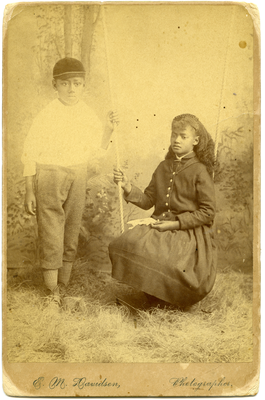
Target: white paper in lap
{"type": "Point", "coordinates": [141, 221]}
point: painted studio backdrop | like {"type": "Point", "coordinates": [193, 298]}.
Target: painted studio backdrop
{"type": "Point", "coordinates": [150, 63]}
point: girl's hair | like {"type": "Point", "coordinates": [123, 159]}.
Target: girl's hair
{"type": "Point", "coordinates": [204, 150]}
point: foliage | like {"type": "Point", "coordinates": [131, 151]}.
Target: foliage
{"type": "Point", "coordinates": [235, 181]}
{"type": "Point", "coordinates": [50, 46]}
{"type": "Point", "coordinates": [98, 210]}
{"type": "Point", "coordinates": [21, 228]}
{"type": "Point", "coordinates": [228, 138]}
{"type": "Point", "coordinates": [235, 234]}
{"type": "Point", "coordinates": [63, 30]}
{"type": "Point", "coordinates": [101, 215]}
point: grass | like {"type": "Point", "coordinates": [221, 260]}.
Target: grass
{"type": "Point", "coordinates": [92, 328]}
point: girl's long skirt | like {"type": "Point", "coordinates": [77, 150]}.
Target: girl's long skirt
{"type": "Point", "coordinates": [176, 266]}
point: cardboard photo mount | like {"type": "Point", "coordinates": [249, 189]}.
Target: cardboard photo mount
{"type": "Point", "coordinates": [152, 88]}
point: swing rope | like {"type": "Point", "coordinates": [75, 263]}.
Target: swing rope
{"type": "Point", "coordinates": [217, 133]}
{"type": "Point", "coordinates": [115, 127]}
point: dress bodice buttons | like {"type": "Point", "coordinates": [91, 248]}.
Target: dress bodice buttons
{"type": "Point", "coordinates": [175, 166]}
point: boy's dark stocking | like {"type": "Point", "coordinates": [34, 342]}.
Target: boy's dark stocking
{"type": "Point", "coordinates": [64, 273]}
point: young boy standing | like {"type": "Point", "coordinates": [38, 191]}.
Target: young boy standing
{"type": "Point", "coordinates": [63, 137]}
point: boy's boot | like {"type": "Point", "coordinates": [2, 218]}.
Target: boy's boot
{"type": "Point", "coordinates": [50, 277]}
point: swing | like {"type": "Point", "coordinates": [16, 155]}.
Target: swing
{"type": "Point", "coordinates": [115, 130]}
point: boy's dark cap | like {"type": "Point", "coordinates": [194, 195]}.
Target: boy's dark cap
{"type": "Point", "coordinates": [68, 67]}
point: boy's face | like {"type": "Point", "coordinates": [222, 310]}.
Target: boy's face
{"type": "Point", "coordinates": [183, 139]}
{"type": "Point", "coordinates": [70, 90]}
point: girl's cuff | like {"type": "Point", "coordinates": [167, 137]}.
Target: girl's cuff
{"type": "Point", "coordinates": [132, 196]}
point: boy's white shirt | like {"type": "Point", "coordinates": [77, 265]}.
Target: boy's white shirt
{"type": "Point", "coordinates": [62, 135]}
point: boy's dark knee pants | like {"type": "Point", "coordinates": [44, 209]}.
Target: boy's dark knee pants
{"type": "Point", "coordinates": [60, 195]}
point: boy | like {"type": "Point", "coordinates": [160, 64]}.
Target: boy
{"type": "Point", "coordinates": [63, 136]}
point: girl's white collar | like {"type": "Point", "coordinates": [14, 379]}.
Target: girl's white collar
{"type": "Point", "coordinates": [180, 158]}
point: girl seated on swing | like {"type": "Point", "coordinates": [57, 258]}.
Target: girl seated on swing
{"type": "Point", "coordinates": [173, 258]}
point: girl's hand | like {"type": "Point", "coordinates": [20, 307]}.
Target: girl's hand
{"type": "Point", "coordinates": [30, 203]}
{"type": "Point", "coordinates": [121, 178]}
{"type": "Point", "coordinates": [163, 226]}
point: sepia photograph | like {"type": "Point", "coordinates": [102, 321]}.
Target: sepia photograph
{"type": "Point", "coordinates": [131, 211]}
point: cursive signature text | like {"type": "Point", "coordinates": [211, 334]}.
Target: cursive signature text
{"type": "Point", "coordinates": [198, 384]}
{"type": "Point", "coordinates": [83, 382]}
{"type": "Point", "coordinates": [80, 383]}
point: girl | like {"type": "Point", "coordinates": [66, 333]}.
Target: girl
{"type": "Point", "coordinates": [173, 258]}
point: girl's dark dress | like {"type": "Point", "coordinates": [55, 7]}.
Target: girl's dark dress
{"type": "Point", "coordinates": [176, 266]}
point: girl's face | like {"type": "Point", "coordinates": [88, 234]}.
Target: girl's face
{"type": "Point", "coordinates": [183, 138]}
